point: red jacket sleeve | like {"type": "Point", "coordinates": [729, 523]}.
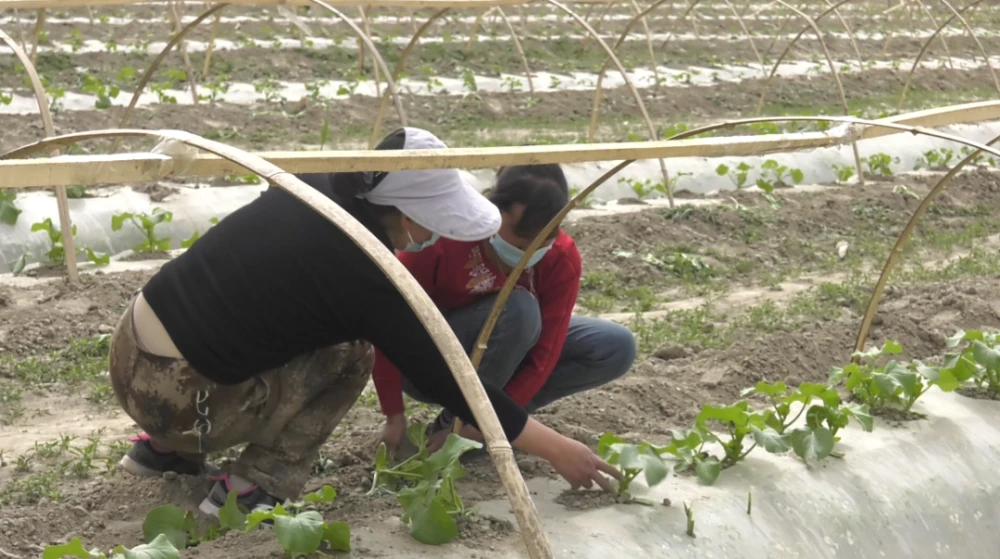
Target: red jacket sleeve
{"type": "Point", "coordinates": [388, 381]}
{"type": "Point", "coordinates": [557, 292]}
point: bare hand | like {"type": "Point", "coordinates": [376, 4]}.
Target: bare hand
{"type": "Point", "coordinates": [582, 468]}
{"type": "Point", "coordinates": [393, 432]}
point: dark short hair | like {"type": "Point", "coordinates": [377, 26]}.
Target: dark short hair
{"type": "Point", "coordinates": [542, 189]}
{"type": "Point", "coordinates": [350, 185]}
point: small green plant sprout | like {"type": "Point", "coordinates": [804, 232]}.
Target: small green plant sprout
{"type": "Point", "coordinates": [512, 84]}
{"type": "Point", "coordinates": [104, 93]}
{"type": "Point", "coordinates": [6, 98]}
{"type": "Point", "coordinates": [146, 223]}
{"type": "Point", "coordinates": [844, 172]}
{"type": "Point", "coordinates": [424, 485]}
{"type": "Point", "coordinates": [689, 513]}
{"type": "Point", "coordinates": [469, 80]}
{"type": "Point", "coordinates": [159, 548]}
{"type": "Point", "coordinates": [642, 188]}
{"type": "Point", "coordinates": [903, 190]}
{"type": "Point", "coordinates": [57, 252]}
{"type": "Point", "coordinates": [894, 385]}
{"type": "Point", "coordinates": [8, 211]}
{"type": "Point", "coordinates": [554, 82]}
{"type": "Point", "coordinates": [186, 243]}
{"type": "Point", "coordinates": [270, 89]}
{"type": "Point", "coordinates": [738, 175]}
{"type": "Point", "coordinates": [632, 460]}
{"type": "Point", "coordinates": [977, 360]}
{"type": "Point", "coordinates": [773, 175]}
{"type": "Point", "coordinates": [935, 160]}
{"type": "Point", "coordinates": [980, 159]}
{"type": "Point", "coordinates": [879, 164]}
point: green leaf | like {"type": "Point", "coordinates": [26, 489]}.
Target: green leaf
{"type": "Point", "coordinates": [765, 186]}
{"type": "Point", "coordinates": [337, 535]}
{"type": "Point", "coordinates": [861, 414]}
{"type": "Point", "coordinates": [166, 520]}
{"type": "Point", "coordinates": [381, 457]}
{"type": "Point", "coordinates": [635, 457]}
{"type": "Point", "coordinates": [891, 348]}
{"type": "Point", "coordinates": [300, 534]}
{"type": "Point", "coordinates": [986, 356]}
{"type": "Point", "coordinates": [766, 389]}
{"type": "Point", "coordinates": [163, 244]}
{"type": "Point", "coordinates": [230, 515]}
{"type": "Point", "coordinates": [97, 259]}
{"type": "Point", "coordinates": [159, 548]}
{"type": "Point", "coordinates": [907, 379]}
{"type": "Point", "coordinates": [186, 243]}
{"type": "Point", "coordinates": [956, 370]}
{"type": "Point", "coordinates": [605, 444]}
{"type": "Point", "coordinates": [256, 517]}
{"type": "Point", "coordinates": [8, 211]}
{"type": "Point", "coordinates": [18, 266]}
{"type": "Point", "coordinates": [325, 494]}
{"type": "Point", "coordinates": [962, 335]}
{"type": "Point", "coordinates": [43, 226]}
{"type": "Point", "coordinates": [429, 521]}
{"type": "Point", "coordinates": [73, 548]}
{"type": "Point", "coordinates": [445, 460]}
{"type": "Point", "coordinates": [722, 170]}
{"type": "Point", "coordinates": [797, 175]}
{"type": "Point", "coordinates": [812, 444]}
{"type": "Point", "coordinates": [772, 441]}
{"type": "Point", "coordinates": [735, 414]}
{"type": "Point", "coordinates": [708, 469]}
{"type": "Point", "coordinates": [811, 390]}
{"type": "Point", "coordinates": [117, 221]}
{"type": "Point", "coordinates": [417, 433]}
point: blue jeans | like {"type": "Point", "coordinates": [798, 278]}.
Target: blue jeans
{"type": "Point", "coordinates": [595, 353]}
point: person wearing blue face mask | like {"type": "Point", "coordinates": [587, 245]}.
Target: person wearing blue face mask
{"type": "Point", "coordinates": [539, 351]}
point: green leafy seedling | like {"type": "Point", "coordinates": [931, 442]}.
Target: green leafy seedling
{"type": "Point", "coordinates": [56, 253]}
{"type": "Point", "coordinates": [738, 176]}
{"type": "Point", "coordinates": [774, 175]}
{"type": "Point", "coordinates": [879, 164]}
{"type": "Point", "coordinates": [632, 459]}
{"type": "Point", "coordinates": [977, 360]}
{"type": "Point", "coordinates": [844, 172]}
{"type": "Point", "coordinates": [145, 223]}
{"type": "Point", "coordinates": [8, 211]}
{"type": "Point", "coordinates": [159, 548]}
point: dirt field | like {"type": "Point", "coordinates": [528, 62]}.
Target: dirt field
{"type": "Point", "coordinates": [720, 294]}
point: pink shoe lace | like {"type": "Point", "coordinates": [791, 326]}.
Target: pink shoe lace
{"type": "Point", "coordinates": [224, 478]}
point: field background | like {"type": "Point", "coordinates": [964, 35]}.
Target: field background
{"type": "Point", "coordinates": [726, 289]}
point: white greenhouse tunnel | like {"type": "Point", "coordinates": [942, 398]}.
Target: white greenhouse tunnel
{"type": "Point", "coordinates": [193, 207]}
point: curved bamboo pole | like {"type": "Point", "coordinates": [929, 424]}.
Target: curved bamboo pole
{"type": "Point", "coordinates": [151, 70]}
{"type": "Point", "coordinates": [211, 47]}
{"type": "Point", "coordinates": [361, 47]}
{"type": "Point", "coordinates": [597, 26]}
{"type": "Point", "coordinates": [39, 25]}
{"type": "Point", "coordinates": [520, 50]}
{"type": "Point", "coordinates": [920, 55]}
{"type": "Point", "coordinates": [175, 14]}
{"type": "Point", "coordinates": [690, 8]}
{"type": "Point", "coordinates": [628, 82]}
{"type": "Point", "coordinates": [781, 29]}
{"type": "Point", "coordinates": [788, 49]}
{"type": "Point", "coordinates": [425, 309]}
{"type": "Point", "coordinates": [836, 76]}
{"type": "Point", "coordinates": [474, 30]}
{"type": "Point", "coordinates": [975, 38]}
{"type": "Point", "coordinates": [62, 200]}
{"type": "Point", "coordinates": [850, 36]}
{"type": "Point", "coordinates": [508, 287]}
{"type": "Point", "coordinates": [897, 250]}
{"type": "Point", "coordinates": [743, 26]}
{"type": "Point", "coordinates": [398, 71]}
{"type": "Point", "coordinates": [944, 43]}
{"type": "Point", "coordinates": [649, 43]}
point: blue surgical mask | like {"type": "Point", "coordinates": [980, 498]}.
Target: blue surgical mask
{"type": "Point", "coordinates": [413, 246]}
{"type": "Point", "coordinates": [511, 255]}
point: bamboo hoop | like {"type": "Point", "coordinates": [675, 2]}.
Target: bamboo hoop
{"type": "Point", "coordinates": [833, 69]}
{"type": "Point", "coordinates": [897, 250]}
{"type": "Point", "coordinates": [597, 26]}
{"type": "Point", "coordinates": [649, 43]}
{"type": "Point", "coordinates": [975, 38]}
{"type": "Point", "coordinates": [743, 26]}
{"type": "Point", "coordinates": [39, 24]}
{"type": "Point", "coordinates": [920, 55]}
{"type": "Point", "coordinates": [781, 29]}
{"type": "Point", "coordinates": [670, 35]}
{"type": "Point", "coordinates": [944, 43]}
{"type": "Point", "coordinates": [151, 70]}
{"type": "Point", "coordinates": [429, 315]}
{"type": "Point", "coordinates": [474, 30]}
{"type": "Point", "coordinates": [628, 82]}
{"type": "Point", "coordinates": [398, 71]}
{"type": "Point", "coordinates": [520, 50]}
{"type": "Point", "coordinates": [62, 200]}
{"type": "Point", "coordinates": [479, 349]}
{"type": "Point", "coordinates": [596, 107]}
{"type": "Point", "coordinates": [850, 36]}
{"type": "Point", "coordinates": [211, 47]}
{"type": "Point", "coordinates": [175, 15]}
{"type": "Point", "coordinates": [368, 33]}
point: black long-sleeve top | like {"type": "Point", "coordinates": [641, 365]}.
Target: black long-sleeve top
{"type": "Point", "coordinates": [274, 280]}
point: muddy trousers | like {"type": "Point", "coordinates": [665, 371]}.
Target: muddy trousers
{"type": "Point", "coordinates": [283, 415]}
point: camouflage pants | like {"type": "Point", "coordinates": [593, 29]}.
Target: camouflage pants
{"type": "Point", "coordinates": [284, 414]}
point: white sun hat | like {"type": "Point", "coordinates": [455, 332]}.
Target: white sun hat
{"type": "Point", "coordinates": [437, 199]}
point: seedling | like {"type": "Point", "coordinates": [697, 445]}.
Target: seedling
{"type": "Point", "coordinates": [512, 84]}
{"type": "Point", "coordinates": [738, 175]}
{"type": "Point", "coordinates": [690, 519]}
{"type": "Point", "coordinates": [146, 224]}
{"type": "Point", "coordinates": [8, 211]}
{"type": "Point", "coordinates": [642, 188]}
{"type": "Point", "coordinates": [270, 89]}
{"type": "Point", "coordinates": [424, 485]}
{"type": "Point", "coordinates": [977, 360]}
{"type": "Point", "coordinates": [160, 548]}
{"type": "Point", "coordinates": [773, 175]}
{"type": "Point", "coordinates": [632, 459]}
{"type": "Point", "coordinates": [57, 252]}
{"type": "Point", "coordinates": [186, 243]}
{"type": "Point", "coordinates": [879, 164]}
{"type": "Point", "coordinates": [895, 384]}
{"type": "Point", "coordinates": [935, 160]}
{"type": "Point", "coordinates": [469, 80]}
{"type": "Point", "coordinates": [104, 93]}
{"type": "Point", "coordinates": [980, 159]}
{"type": "Point", "coordinates": [844, 172]}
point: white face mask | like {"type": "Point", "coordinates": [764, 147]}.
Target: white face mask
{"type": "Point", "coordinates": [414, 246]}
{"type": "Point", "coordinates": [511, 255]}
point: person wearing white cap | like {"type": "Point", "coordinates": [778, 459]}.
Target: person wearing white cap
{"type": "Point", "coordinates": [261, 334]}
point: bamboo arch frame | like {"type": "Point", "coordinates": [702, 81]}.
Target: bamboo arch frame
{"type": "Point", "coordinates": [957, 14]}
{"type": "Point", "coordinates": [465, 375]}
{"type": "Point", "coordinates": [897, 250]}
{"type": "Point", "coordinates": [62, 200]}
{"type": "Point", "coordinates": [391, 89]}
